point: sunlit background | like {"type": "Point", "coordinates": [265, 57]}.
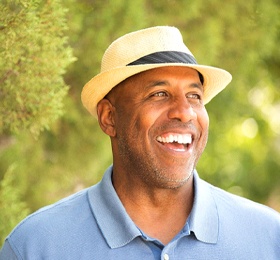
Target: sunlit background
{"type": "Point", "coordinates": [51, 147]}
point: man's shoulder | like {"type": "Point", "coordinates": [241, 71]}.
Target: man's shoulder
{"type": "Point", "coordinates": [52, 218]}
{"type": "Point", "coordinates": [64, 229]}
{"type": "Point", "coordinates": [242, 206]}
{"type": "Point", "coordinates": [68, 203]}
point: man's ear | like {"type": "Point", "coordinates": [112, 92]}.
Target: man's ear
{"type": "Point", "coordinates": [105, 112]}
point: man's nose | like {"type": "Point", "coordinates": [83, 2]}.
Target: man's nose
{"type": "Point", "coordinates": [181, 109]}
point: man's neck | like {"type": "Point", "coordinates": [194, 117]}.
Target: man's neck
{"type": "Point", "coordinates": [159, 212]}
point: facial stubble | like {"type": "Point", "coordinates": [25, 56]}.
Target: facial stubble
{"type": "Point", "coordinates": [147, 167]}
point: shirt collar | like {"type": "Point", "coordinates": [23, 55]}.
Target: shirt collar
{"type": "Point", "coordinates": [203, 220]}
{"type": "Point", "coordinates": [110, 212]}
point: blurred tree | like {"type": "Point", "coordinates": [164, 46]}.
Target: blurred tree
{"type": "Point", "coordinates": [243, 152]}
{"type": "Point", "coordinates": [34, 56]}
{"type": "Point", "coordinates": [12, 208]}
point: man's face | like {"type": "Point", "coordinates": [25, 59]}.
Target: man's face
{"type": "Point", "coordinates": [161, 125]}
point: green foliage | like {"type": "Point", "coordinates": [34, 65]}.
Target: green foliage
{"type": "Point", "coordinates": [243, 152]}
{"type": "Point", "coordinates": [13, 209]}
{"type": "Point", "coordinates": [34, 55]}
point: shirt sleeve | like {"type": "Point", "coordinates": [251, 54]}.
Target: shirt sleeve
{"type": "Point", "coordinates": [7, 253]}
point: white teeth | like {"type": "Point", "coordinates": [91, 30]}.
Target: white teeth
{"type": "Point", "coordinates": [171, 139]}
{"type": "Point", "coordinates": [159, 138]}
{"type": "Point", "coordinates": [179, 138]}
{"type": "Point", "coordinates": [187, 139]}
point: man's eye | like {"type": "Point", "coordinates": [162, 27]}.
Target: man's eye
{"type": "Point", "coordinates": [160, 94]}
{"type": "Point", "coordinates": [194, 96]}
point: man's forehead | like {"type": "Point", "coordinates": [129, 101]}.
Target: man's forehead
{"type": "Point", "coordinates": [156, 76]}
{"type": "Point", "coordinates": [161, 76]}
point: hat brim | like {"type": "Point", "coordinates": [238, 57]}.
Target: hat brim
{"type": "Point", "coordinates": [215, 80]}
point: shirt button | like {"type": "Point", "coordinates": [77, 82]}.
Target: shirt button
{"type": "Point", "coordinates": [166, 257]}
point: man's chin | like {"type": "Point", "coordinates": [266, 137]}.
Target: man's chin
{"type": "Point", "coordinates": [174, 182]}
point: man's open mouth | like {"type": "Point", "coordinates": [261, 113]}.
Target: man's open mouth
{"type": "Point", "coordinates": [177, 142]}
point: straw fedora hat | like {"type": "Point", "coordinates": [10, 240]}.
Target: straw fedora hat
{"type": "Point", "coordinates": [146, 49]}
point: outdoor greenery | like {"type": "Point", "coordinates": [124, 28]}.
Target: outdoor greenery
{"type": "Point", "coordinates": [51, 147]}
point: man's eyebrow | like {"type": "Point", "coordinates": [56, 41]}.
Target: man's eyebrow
{"type": "Point", "coordinates": [155, 83]}
{"type": "Point", "coordinates": [198, 86]}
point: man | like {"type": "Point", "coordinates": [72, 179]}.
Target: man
{"type": "Point", "coordinates": [150, 100]}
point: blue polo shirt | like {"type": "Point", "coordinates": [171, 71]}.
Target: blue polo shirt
{"type": "Point", "coordinates": [93, 224]}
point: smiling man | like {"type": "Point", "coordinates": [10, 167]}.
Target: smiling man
{"type": "Point", "coordinates": [150, 99]}
{"type": "Point", "coordinates": [163, 108]}
{"type": "Point", "coordinates": [158, 126]}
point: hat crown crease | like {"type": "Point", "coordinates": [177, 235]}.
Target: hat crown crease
{"type": "Point", "coordinates": [156, 40]}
